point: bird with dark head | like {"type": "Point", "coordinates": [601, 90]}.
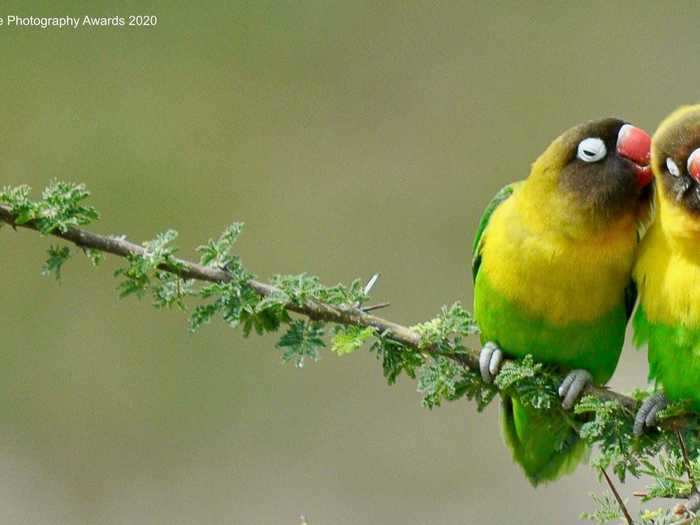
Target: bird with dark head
{"type": "Point", "coordinates": [667, 271]}
{"type": "Point", "coordinates": [676, 157]}
{"type": "Point", "coordinates": [607, 185]}
{"type": "Point", "coordinates": [552, 261]}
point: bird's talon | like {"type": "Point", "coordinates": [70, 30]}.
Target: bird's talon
{"type": "Point", "coordinates": [646, 415]}
{"type": "Point", "coordinates": [495, 362]}
{"type": "Point", "coordinates": [573, 385]}
{"type": "Point", "coordinates": [490, 361]}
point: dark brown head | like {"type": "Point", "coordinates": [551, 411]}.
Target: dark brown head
{"type": "Point", "coordinates": [592, 174]}
{"type": "Point", "coordinates": [676, 158]}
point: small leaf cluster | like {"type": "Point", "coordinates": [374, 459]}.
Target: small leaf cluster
{"type": "Point", "coordinates": [147, 272]}
{"type": "Point", "coordinates": [438, 381]}
{"type": "Point", "coordinates": [474, 389]}
{"type": "Point", "coordinates": [447, 330]}
{"type": "Point", "coordinates": [303, 340]}
{"type": "Point", "coordinates": [607, 510]}
{"type": "Point", "coordinates": [532, 383]}
{"type": "Point", "coordinates": [443, 376]}
{"type": "Point", "coordinates": [59, 209]}
{"type": "Point", "coordinates": [443, 379]}
{"type": "Point", "coordinates": [137, 277]}
{"type": "Point", "coordinates": [234, 300]}
{"type": "Point", "coordinates": [609, 426]}
{"type": "Point", "coordinates": [668, 476]}
{"type": "Point", "coordinates": [300, 288]}
{"type": "Point", "coordinates": [396, 358]}
{"type": "Point", "coordinates": [217, 253]}
{"type": "Point", "coordinates": [347, 339]}
{"type": "Point", "coordinates": [58, 255]}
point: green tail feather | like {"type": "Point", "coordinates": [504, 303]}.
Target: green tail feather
{"type": "Point", "coordinates": [542, 443]}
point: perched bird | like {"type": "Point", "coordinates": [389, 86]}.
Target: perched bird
{"type": "Point", "coordinates": [552, 261]}
{"type": "Point", "coordinates": [667, 271]}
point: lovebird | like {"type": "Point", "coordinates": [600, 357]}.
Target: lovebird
{"type": "Point", "coordinates": [667, 271]}
{"type": "Point", "coordinates": [552, 263]}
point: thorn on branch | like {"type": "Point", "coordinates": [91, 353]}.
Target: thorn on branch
{"type": "Point", "coordinates": [366, 291]}
{"type": "Point", "coordinates": [370, 284]}
{"type": "Point", "coordinates": [374, 307]}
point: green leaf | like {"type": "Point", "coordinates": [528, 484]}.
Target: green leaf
{"type": "Point", "coordinates": [342, 294]}
{"type": "Point", "coordinates": [57, 257]}
{"type": "Point", "coordinates": [61, 207]}
{"type": "Point", "coordinates": [299, 288]}
{"type": "Point", "coordinates": [473, 388]}
{"type": "Point", "coordinates": [611, 429]}
{"type": "Point", "coordinates": [274, 300]}
{"type": "Point", "coordinates": [216, 252]}
{"type": "Point", "coordinates": [607, 510]}
{"type": "Point", "coordinates": [396, 358]}
{"type": "Point", "coordinates": [23, 209]}
{"type": "Point", "coordinates": [347, 339]}
{"type": "Point", "coordinates": [452, 321]}
{"type": "Point", "coordinates": [530, 382]}
{"type": "Point", "coordinates": [302, 340]}
{"type": "Point", "coordinates": [514, 372]}
{"type": "Point", "coordinates": [438, 380]}
{"type": "Point", "coordinates": [96, 257]}
{"type": "Point", "coordinates": [203, 314]}
{"type": "Point", "coordinates": [141, 269]}
{"type": "Point", "coordinates": [171, 290]}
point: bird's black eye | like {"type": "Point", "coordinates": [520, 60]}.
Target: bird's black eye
{"type": "Point", "coordinates": [591, 149]}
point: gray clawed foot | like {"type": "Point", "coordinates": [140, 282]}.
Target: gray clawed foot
{"type": "Point", "coordinates": [490, 361]}
{"type": "Point", "coordinates": [572, 386]}
{"type": "Point", "coordinates": [646, 415]}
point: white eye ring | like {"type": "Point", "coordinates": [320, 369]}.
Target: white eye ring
{"type": "Point", "coordinates": [672, 167]}
{"type": "Point", "coordinates": [591, 149]}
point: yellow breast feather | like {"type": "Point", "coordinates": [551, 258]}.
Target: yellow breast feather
{"type": "Point", "coordinates": [555, 269]}
{"type": "Point", "coordinates": [667, 271]}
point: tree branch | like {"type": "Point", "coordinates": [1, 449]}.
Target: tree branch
{"type": "Point", "coordinates": [60, 212]}
{"type": "Point", "coordinates": [315, 310]}
{"type": "Point", "coordinates": [618, 498]}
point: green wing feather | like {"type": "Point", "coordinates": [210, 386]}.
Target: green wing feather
{"type": "Point", "coordinates": [497, 200]}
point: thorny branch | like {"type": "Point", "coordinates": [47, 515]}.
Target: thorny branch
{"type": "Point", "coordinates": [315, 310]}
{"type": "Point", "coordinates": [349, 315]}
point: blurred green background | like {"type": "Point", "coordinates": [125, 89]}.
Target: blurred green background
{"type": "Point", "coordinates": [351, 137]}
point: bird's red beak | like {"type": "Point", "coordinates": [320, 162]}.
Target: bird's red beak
{"type": "Point", "coordinates": [694, 164]}
{"type": "Point", "coordinates": [634, 144]}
